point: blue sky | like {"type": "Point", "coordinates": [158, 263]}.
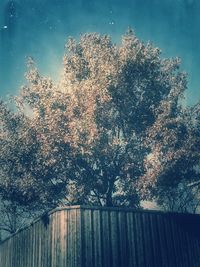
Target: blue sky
{"type": "Point", "coordinates": [39, 28]}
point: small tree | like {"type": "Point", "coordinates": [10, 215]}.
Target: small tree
{"type": "Point", "coordinates": [179, 199]}
{"type": "Point", "coordinates": [108, 133]}
{"type": "Point", "coordinates": [13, 217]}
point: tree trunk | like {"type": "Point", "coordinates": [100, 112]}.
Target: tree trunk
{"type": "Point", "coordinates": [109, 200]}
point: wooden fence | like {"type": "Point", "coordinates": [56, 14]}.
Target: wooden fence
{"type": "Point", "coordinates": [82, 236]}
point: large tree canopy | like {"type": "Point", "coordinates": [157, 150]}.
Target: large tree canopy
{"type": "Point", "coordinates": [112, 131]}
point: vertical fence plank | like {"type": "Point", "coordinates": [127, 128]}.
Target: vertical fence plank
{"type": "Point", "coordinates": [176, 242]}
{"type": "Point", "coordinates": [114, 238]}
{"type": "Point", "coordinates": [73, 237]}
{"type": "Point", "coordinates": [155, 241]}
{"type": "Point", "coordinates": [131, 236]}
{"type": "Point", "coordinates": [78, 238]}
{"type": "Point", "coordinates": [88, 244]}
{"type": "Point", "coordinates": [62, 238]}
{"type": "Point", "coordinates": [123, 239]}
{"type": "Point", "coordinates": [106, 239]}
{"type": "Point", "coordinates": [149, 254]}
{"type": "Point", "coordinates": [97, 239]}
{"type": "Point", "coordinates": [140, 241]}
{"type": "Point", "coordinates": [162, 240]}
{"type": "Point", "coordinates": [170, 245]}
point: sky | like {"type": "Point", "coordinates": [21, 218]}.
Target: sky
{"type": "Point", "coordinates": [40, 28]}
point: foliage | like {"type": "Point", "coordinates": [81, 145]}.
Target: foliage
{"type": "Point", "coordinates": [181, 198]}
{"type": "Point", "coordinates": [13, 217]}
{"type": "Point", "coordinates": [110, 132]}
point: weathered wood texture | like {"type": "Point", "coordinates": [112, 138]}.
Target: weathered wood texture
{"type": "Point", "coordinates": [82, 236]}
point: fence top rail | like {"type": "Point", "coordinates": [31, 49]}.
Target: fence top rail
{"type": "Point", "coordinates": [102, 208]}
{"type": "Point", "coordinates": [115, 208]}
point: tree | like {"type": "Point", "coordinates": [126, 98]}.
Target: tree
{"type": "Point", "coordinates": [13, 217]}
{"type": "Point", "coordinates": [175, 160]}
{"type": "Point", "coordinates": [180, 198]}
{"type": "Point", "coordinates": [110, 132]}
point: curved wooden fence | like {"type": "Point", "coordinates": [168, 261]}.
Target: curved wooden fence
{"type": "Point", "coordinates": [82, 236]}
